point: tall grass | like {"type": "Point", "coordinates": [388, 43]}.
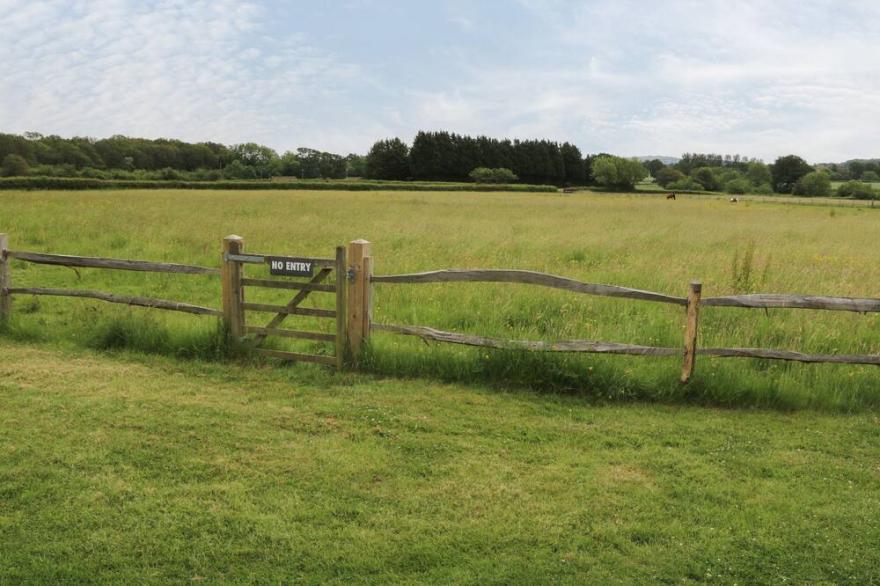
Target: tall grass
{"type": "Point", "coordinates": [636, 241]}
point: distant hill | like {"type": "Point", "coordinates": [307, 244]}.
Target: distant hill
{"type": "Point", "coordinates": [663, 158]}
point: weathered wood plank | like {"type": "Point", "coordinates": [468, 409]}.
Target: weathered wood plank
{"type": "Point", "coordinates": [244, 258]}
{"type": "Point", "coordinates": [291, 334]}
{"type": "Point", "coordinates": [297, 356]}
{"type": "Point", "coordinates": [232, 292]}
{"type": "Point", "coordinates": [790, 355]}
{"type": "Point", "coordinates": [357, 315]}
{"type": "Point", "coordinates": [5, 279]}
{"type": "Point", "coordinates": [690, 333]}
{"type": "Point", "coordinates": [111, 263]}
{"type": "Point", "coordinates": [561, 346]}
{"type": "Point", "coordinates": [297, 299]}
{"type": "Point", "coordinates": [112, 298]}
{"type": "Point", "coordinates": [286, 310]}
{"type": "Point", "coordinates": [772, 300]}
{"type": "Point", "coordinates": [530, 278]}
{"type": "Point", "coordinates": [341, 270]}
{"type": "Point", "coordinates": [273, 284]}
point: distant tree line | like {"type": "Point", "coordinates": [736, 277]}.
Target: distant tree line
{"type": "Point", "coordinates": [789, 174]}
{"type": "Point", "coordinates": [446, 156]}
{"type": "Point", "coordinates": [433, 156]}
{"type": "Point", "coordinates": [854, 170]}
{"type": "Point", "coordinates": [122, 157]}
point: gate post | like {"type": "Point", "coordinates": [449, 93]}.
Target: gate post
{"type": "Point", "coordinates": [690, 335]}
{"type": "Point", "coordinates": [233, 292]}
{"type": "Point", "coordinates": [5, 280]}
{"type": "Point", "coordinates": [358, 313]}
{"type": "Point", "coordinates": [341, 309]}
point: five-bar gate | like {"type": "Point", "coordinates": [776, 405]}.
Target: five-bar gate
{"type": "Point", "coordinates": [317, 273]}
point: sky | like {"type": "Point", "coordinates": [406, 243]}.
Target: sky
{"type": "Point", "coordinates": [756, 78]}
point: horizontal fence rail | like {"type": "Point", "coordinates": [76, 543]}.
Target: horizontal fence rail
{"type": "Point", "coordinates": [591, 346]}
{"type": "Point", "coordinates": [297, 356]}
{"type": "Point", "coordinates": [110, 263]}
{"type": "Point", "coordinates": [529, 278]}
{"type": "Point", "coordinates": [790, 355]}
{"type": "Point", "coordinates": [284, 333]}
{"type": "Point", "coordinates": [272, 284]}
{"type": "Point", "coordinates": [757, 301]}
{"type": "Point", "coordinates": [286, 310]}
{"type": "Point", "coordinates": [693, 303]}
{"type": "Point", "coordinates": [561, 346]}
{"type": "Point", "coordinates": [772, 301]}
{"type": "Point", "coordinates": [354, 280]}
{"type": "Point", "coordinates": [113, 298]}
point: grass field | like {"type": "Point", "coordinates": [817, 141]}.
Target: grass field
{"type": "Point", "coordinates": [873, 184]}
{"type": "Point", "coordinates": [163, 461]}
{"type": "Point", "coordinates": [144, 469]}
{"type": "Point", "coordinates": [637, 241]}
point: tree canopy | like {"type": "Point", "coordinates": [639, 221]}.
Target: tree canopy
{"type": "Point", "coordinates": [617, 172]}
{"type": "Point", "coordinates": [388, 159]}
{"type": "Point", "coordinates": [786, 171]}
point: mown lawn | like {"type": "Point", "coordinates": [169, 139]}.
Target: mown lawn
{"type": "Point", "coordinates": [133, 468]}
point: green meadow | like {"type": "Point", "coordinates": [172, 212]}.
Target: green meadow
{"type": "Point", "coordinates": [139, 446]}
{"type": "Point", "coordinates": [643, 242]}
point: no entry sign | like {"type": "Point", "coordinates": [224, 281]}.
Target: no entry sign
{"type": "Point", "coordinates": [290, 267]}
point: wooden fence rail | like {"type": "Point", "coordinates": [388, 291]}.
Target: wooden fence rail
{"type": "Point", "coordinates": [7, 290]}
{"type": "Point", "coordinates": [693, 302]}
{"type": "Point", "coordinates": [353, 285]}
{"type": "Point", "coordinates": [595, 347]}
{"type": "Point", "coordinates": [233, 283]}
{"type": "Point", "coordinates": [113, 298]}
{"type": "Point", "coordinates": [775, 301]}
{"type": "Point", "coordinates": [589, 346]}
{"type": "Point", "coordinates": [110, 263]}
{"type": "Point", "coordinates": [529, 278]}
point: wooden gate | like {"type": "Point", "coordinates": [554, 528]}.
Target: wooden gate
{"type": "Point", "coordinates": [316, 276]}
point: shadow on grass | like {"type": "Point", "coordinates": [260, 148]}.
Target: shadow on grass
{"type": "Point", "coordinates": [613, 379]}
{"type": "Point", "coordinates": [144, 334]}
{"type": "Point", "coordinates": [599, 379]}
{"type": "Point", "coordinates": [596, 379]}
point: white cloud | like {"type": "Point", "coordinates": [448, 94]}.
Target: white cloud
{"type": "Point", "coordinates": [754, 77]}
{"type": "Point", "coordinates": [173, 68]}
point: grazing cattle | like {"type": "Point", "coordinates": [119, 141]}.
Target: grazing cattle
{"type": "Point", "coordinates": [733, 200]}
{"type": "Point", "coordinates": [670, 195]}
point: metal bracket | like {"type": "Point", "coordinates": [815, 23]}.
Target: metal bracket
{"type": "Point", "coordinates": [350, 274]}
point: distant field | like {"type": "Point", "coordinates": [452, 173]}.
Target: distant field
{"type": "Point", "coordinates": [836, 184]}
{"type": "Point", "coordinates": [635, 241]}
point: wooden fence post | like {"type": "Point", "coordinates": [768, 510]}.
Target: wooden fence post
{"type": "Point", "coordinates": [341, 310]}
{"type": "Point", "coordinates": [690, 334]}
{"type": "Point", "coordinates": [358, 314]}
{"type": "Point", "coordinates": [233, 292]}
{"type": "Point", "coordinates": [5, 280]}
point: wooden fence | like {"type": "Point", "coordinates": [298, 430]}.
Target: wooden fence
{"type": "Point", "coordinates": [233, 283]}
{"type": "Point", "coordinates": [352, 288]}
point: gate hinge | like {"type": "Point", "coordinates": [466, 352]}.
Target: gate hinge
{"type": "Point", "coordinates": [350, 273]}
